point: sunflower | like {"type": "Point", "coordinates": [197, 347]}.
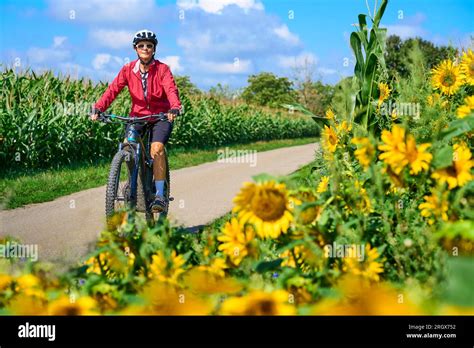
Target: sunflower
{"type": "Point", "coordinates": [29, 285]}
{"type": "Point", "coordinates": [259, 303]}
{"type": "Point", "coordinates": [459, 173]}
{"type": "Point", "coordinates": [447, 77]}
{"type": "Point", "coordinates": [369, 268]}
{"type": "Point", "coordinates": [294, 257]}
{"type": "Point", "coordinates": [216, 267]}
{"type": "Point", "coordinates": [110, 263]}
{"type": "Point", "coordinates": [302, 257]}
{"type": "Point", "coordinates": [329, 139]}
{"type": "Point", "coordinates": [360, 297]}
{"type": "Point", "coordinates": [384, 92]}
{"type": "Point", "coordinates": [323, 184]}
{"type": "Point", "coordinates": [80, 306]}
{"type": "Point", "coordinates": [363, 204]}
{"type": "Point", "coordinates": [435, 206]}
{"type": "Point", "coordinates": [399, 152]}
{"type": "Point", "coordinates": [23, 304]}
{"type": "Point", "coordinates": [365, 152]}
{"type": "Point", "coordinates": [393, 148]}
{"type": "Point", "coordinates": [5, 281]}
{"type": "Point", "coordinates": [343, 127]}
{"type": "Point", "coordinates": [162, 298]}
{"type": "Point", "coordinates": [436, 99]}
{"type": "Point", "coordinates": [394, 115]}
{"type": "Point", "coordinates": [416, 157]}
{"type": "Point", "coordinates": [265, 205]}
{"type": "Point", "coordinates": [204, 282]}
{"type": "Point", "coordinates": [467, 66]}
{"type": "Point", "coordinates": [167, 270]}
{"type": "Point", "coordinates": [330, 114]}
{"type": "Point", "coordinates": [235, 240]}
{"type": "Point", "coordinates": [309, 213]}
{"type": "Point", "coordinates": [466, 108]}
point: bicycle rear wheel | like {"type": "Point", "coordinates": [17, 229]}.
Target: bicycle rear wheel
{"type": "Point", "coordinates": [117, 194]}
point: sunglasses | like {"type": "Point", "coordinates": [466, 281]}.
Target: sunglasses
{"type": "Point", "coordinates": [147, 46]}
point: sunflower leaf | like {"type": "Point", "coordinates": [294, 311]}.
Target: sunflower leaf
{"type": "Point", "coordinates": [266, 266]}
{"type": "Point", "coordinates": [458, 127]}
{"type": "Point", "coordinates": [263, 177]}
{"type": "Point", "coordinates": [290, 245]}
{"type": "Point", "coordinates": [443, 157]}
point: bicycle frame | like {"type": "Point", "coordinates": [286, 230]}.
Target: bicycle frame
{"type": "Point", "coordinates": [136, 144]}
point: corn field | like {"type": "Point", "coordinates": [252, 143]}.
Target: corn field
{"type": "Point", "coordinates": [44, 122]}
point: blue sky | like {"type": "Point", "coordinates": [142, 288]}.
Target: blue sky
{"type": "Point", "coordinates": [213, 40]}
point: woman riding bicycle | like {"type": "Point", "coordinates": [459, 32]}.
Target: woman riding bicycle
{"type": "Point", "coordinates": [153, 90]}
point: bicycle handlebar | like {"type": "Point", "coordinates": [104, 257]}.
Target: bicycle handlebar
{"type": "Point", "coordinates": [108, 118]}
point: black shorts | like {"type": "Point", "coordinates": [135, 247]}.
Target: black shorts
{"type": "Point", "coordinates": [160, 131]}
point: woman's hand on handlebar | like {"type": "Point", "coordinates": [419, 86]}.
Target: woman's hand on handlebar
{"type": "Point", "coordinates": [95, 114]}
{"type": "Point", "coordinates": [172, 114]}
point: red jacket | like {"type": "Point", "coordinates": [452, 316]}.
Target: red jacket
{"type": "Point", "coordinates": [162, 93]}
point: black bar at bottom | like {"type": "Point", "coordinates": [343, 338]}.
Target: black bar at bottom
{"type": "Point", "coordinates": [412, 330]}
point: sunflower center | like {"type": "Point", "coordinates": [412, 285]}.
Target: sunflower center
{"type": "Point", "coordinates": [448, 79]}
{"type": "Point", "coordinates": [269, 205]}
{"type": "Point", "coordinates": [451, 171]}
{"type": "Point", "coordinates": [267, 307]}
{"type": "Point", "coordinates": [72, 311]}
{"type": "Point", "coordinates": [412, 155]}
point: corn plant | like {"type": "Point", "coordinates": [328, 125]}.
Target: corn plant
{"type": "Point", "coordinates": [368, 47]}
{"type": "Point", "coordinates": [44, 122]}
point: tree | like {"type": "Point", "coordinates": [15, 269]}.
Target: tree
{"type": "Point", "coordinates": [266, 89]}
{"type": "Point", "coordinates": [314, 96]}
{"type": "Point", "coordinates": [185, 86]}
{"type": "Point", "coordinates": [397, 55]}
{"type": "Point", "coordinates": [224, 92]}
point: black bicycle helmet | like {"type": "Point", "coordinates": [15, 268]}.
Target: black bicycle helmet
{"type": "Point", "coordinates": [144, 35]}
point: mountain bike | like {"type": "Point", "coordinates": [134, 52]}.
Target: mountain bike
{"type": "Point", "coordinates": [130, 182]}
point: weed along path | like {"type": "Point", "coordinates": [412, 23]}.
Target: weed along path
{"type": "Point", "coordinates": [65, 229]}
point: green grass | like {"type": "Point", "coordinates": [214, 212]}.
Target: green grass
{"type": "Point", "coordinates": [19, 188]}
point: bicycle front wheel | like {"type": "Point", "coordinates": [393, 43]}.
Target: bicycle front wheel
{"type": "Point", "coordinates": [117, 195]}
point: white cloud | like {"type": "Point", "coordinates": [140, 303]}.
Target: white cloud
{"type": "Point", "coordinates": [236, 67]}
{"type": "Point", "coordinates": [77, 71]}
{"type": "Point", "coordinates": [199, 40]}
{"type": "Point", "coordinates": [222, 38]}
{"type": "Point", "coordinates": [173, 62]}
{"type": "Point", "coordinates": [408, 27]}
{"type": "Point", "coordinates": [284, 33]}
{"type": "Point", "coordinates": [300, 60]}
{"type": "Point", "coordinates": [58, 41]}
{"type": "Point", "coordinates": [103, 59]}
{"type": "Point", "coordinates": [118, 11]}
{"type": "Point", "coordinates": [53, 54]}
{"type": "Point", "coordinates": [114, 39]}
{"type": "Point", "coordinates": [43, 55]}
{"type": "Point", "coordinates": [216, 7]}
{"type": "Point", "coordinates": [405, 31]}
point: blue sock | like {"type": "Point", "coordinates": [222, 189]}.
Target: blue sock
{"type": "Point", "coordinates": [160, 187]}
